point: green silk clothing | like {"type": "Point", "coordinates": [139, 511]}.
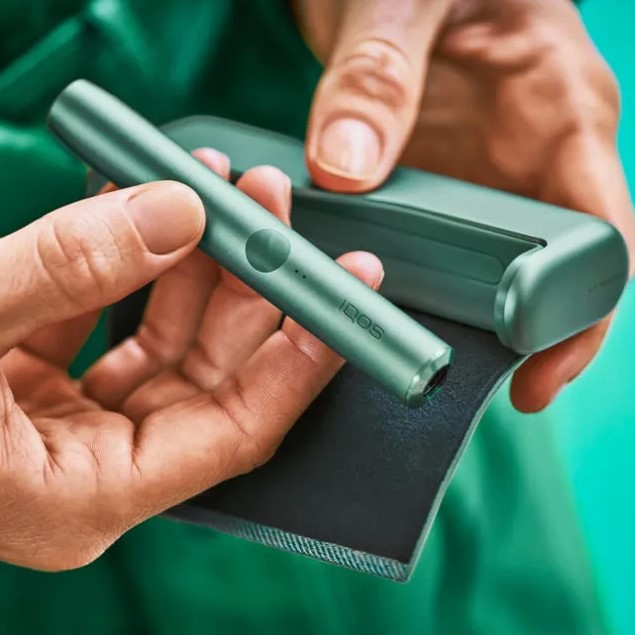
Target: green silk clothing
{"type": "Point", "coordinates": [505, 555]}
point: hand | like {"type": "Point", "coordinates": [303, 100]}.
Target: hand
{"type": "Point", "coordinates": [512, 95]}
{"type": "Point", "coordinates": [206, 390]}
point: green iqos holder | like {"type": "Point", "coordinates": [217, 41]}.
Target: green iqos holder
{"type": "Point", "coordinates": [270, 257]}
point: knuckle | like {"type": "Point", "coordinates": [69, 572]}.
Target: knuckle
{"type": "Point", "coordinates": [379, 71]}
{"type": "Point", "coordinates": [255, 443]}
{"type": "Point", "coordinates": [265, 452]}
{"type": "Point", "coordinates": [581, 102]}
{"type": "Point", "coordinates": [158, 344]}
{"type": "Point", "coordinates": [77, 259]}
{"type": "Point", "coordinates": [308, 349]}
{"type": "Point", "coordinates": [200, 366]}
{"type": "Point", "coordinates": [593, 113]}
{"type": "Point", "coordinates": [586, 87]}
{"type": "Point", "coordinates": [231, 398]}
{"type": "Point", "coordinates": [609, 88]}
{"type": "Point", "coordinates": [595, 98]}
{"type": "Point", "coordinates": [256, 454]}
{"type": "Point", "coordinates": [570, 74]}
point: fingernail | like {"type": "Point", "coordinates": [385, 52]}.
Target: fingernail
{"type": "Point", "coordinates": [168, 216]}
{"type": "Point", "coordinates": [349, 147]}
{"type": "Point", "coordinates": [370, 261]}
{"type": "Point", "coordinates": [379, 280]}
{"type": "Point", "coordinates": [217, 161]}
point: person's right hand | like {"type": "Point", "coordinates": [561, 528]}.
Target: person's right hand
{"type": "Point", "coordinates": [206, 390]}
{"type": "Point", "coordinates": [510, 94]}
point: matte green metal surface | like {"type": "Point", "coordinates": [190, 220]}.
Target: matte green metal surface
{"type": "Point", "coordinates": [306, 284]}
{"type": "Point", "coordinates": [533, 273]}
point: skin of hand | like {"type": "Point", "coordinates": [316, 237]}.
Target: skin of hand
{"type": "Point", "coordinates": [206, 389]}
{"type": "Point", "coordinates": [511, 95]}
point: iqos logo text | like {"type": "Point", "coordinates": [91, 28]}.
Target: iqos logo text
{"type": "Point", "coordinates": [361, 320]}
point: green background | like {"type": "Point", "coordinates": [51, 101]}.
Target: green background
{"type": "Point", "coordinates": [596, 415]}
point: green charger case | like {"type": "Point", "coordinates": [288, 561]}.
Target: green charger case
{"type": "Point", "coordinates": [532, 273]}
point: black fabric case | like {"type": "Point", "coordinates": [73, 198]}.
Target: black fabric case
{"type": "Point", "coordinates": [358, 480]}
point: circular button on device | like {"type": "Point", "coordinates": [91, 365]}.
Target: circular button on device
{"type": "Point", "coordinates": [266, 250]}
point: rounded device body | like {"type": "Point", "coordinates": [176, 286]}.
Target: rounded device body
{"type": "Point", "coordinates": [285, 268]}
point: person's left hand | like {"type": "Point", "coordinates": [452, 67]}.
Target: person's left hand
{"type": "Point", "coordinates": [205, 390]}
{"type": "Point", "coordinates": [511, 95]}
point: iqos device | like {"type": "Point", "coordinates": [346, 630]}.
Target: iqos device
{"type": "Point", "coordinates": [285, 268]}
{"type": "Point", "coordinates": [535, 274]}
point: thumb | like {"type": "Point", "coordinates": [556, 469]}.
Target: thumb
{"type": "Point", "coordinates": [367, 101]}
{"type": "Point", "coordinates": [92, 253]}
